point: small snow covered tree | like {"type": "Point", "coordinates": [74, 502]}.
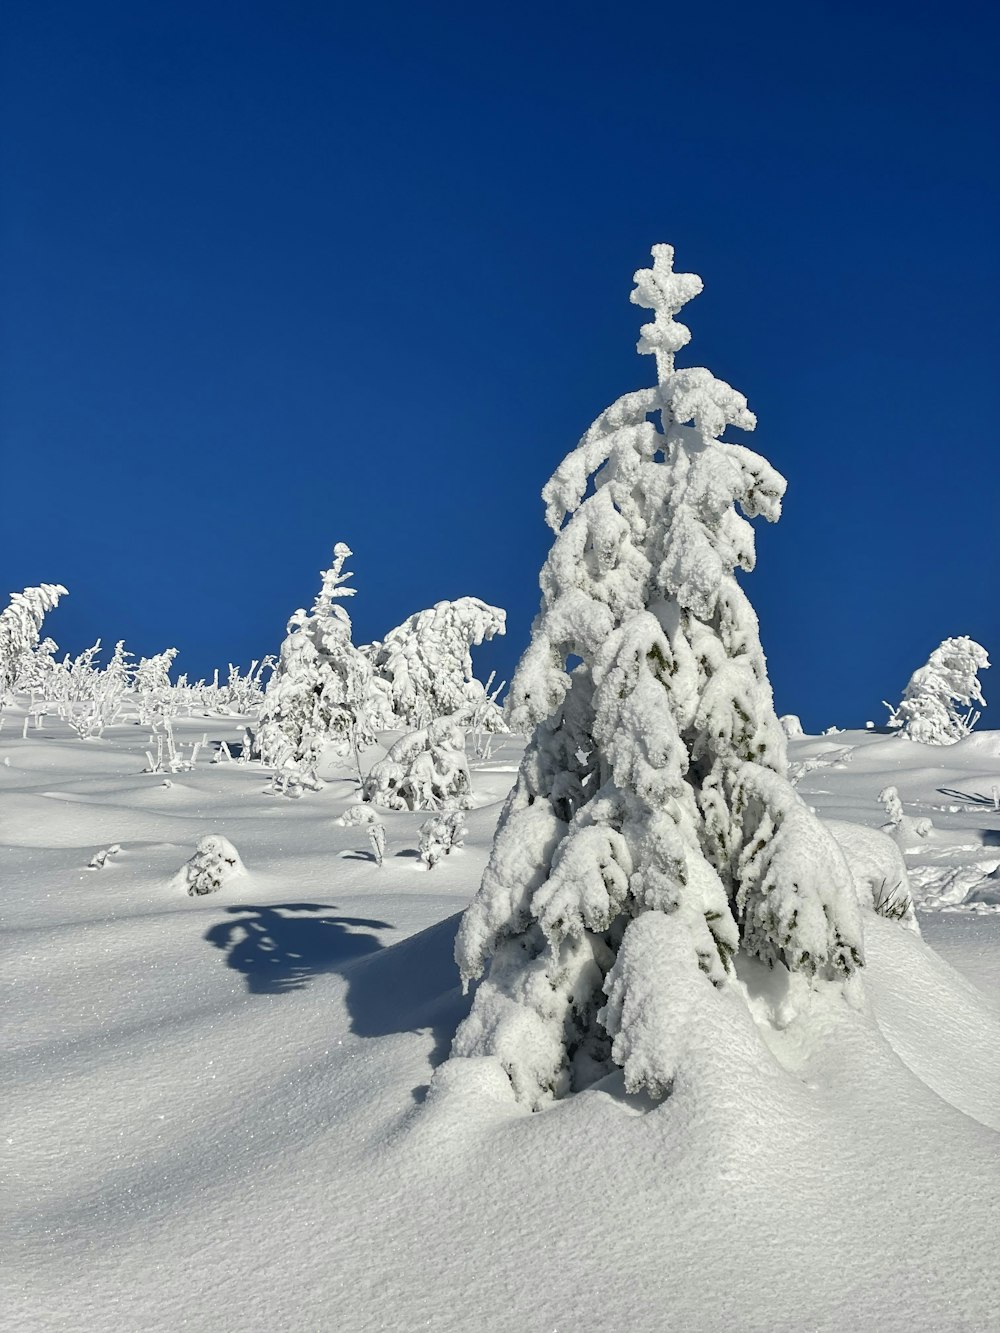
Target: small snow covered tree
{"type": "Point", "coordinates": [426, 664]}
{"type": "Point", "coordinates": [20, 627]}
{"type": "Point", "coordinates": [215, 862]}
{"type": "Point", "coordinates": [152, 674]}
{"type": "Point", "coordinates": [321, 689]}
{"type": "Point", "coordinates": [652, 831]}
{"type": "Point", "coordinates": [424, 770]}
{"type": "Point", "coordinates": [938, 704]}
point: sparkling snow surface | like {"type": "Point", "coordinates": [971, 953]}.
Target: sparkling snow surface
{"type": "Point", "coordinates": [217, 1113]}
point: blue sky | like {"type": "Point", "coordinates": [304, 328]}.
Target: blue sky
{"type": "Point", "coordinates": [278, 275]}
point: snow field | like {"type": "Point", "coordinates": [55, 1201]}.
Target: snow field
{"type": "Point", "coordinates": [223, 1112]}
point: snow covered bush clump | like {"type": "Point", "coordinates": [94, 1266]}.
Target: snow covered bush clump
{"type": "Point", "coordinates": [426, 664]}
{"type": "Point", "coordinates": [439, 835]}
{"type": "Point", "coordinates": [239, 694]}
{"type": "Point", "coordinates": [791, 725]}
{"type": "Point", "coordinates": [900, 826]}
{"type": "Point", "coordinates": [931, 709]}
{"type": "Point", "coordinates": [321, 689]}
{"type": "Point", "coordinates": [880, 878]}
{"type": "Point", "coordinates": [20, 628]}
{"type": "Point", "coordinates": [425, 770]}
{"type": "Point", "coordinates": [151, 682]}
{"type": "Point", "coordinates": [652, 832]}
{"type": "Point", "coordinates": [357, 816]}
{"type": "Point", "coordinates": [215, 862]}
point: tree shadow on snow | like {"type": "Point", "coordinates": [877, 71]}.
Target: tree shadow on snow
{"type": "Point", "coordinates": [280, 948]}
{"type": "Point", "coordinates": [969, 797]}
{"type": "Point", "coordinates": [412, 986]}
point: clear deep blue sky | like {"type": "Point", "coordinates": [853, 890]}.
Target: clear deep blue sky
{"type": "Point", "coordinates": [278, 275]}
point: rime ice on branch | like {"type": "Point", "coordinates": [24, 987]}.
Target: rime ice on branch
{"type": "Point", "coordinates": [652, 832]}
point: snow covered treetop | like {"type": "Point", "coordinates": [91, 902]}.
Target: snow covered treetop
{"type": "Point", "coordinates": [332, 586]}
{"type": "Point", "coordinates": [662, 290]}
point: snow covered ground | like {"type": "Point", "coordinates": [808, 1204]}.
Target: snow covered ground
{"type": "Point", "coordinates": [217, 1113]}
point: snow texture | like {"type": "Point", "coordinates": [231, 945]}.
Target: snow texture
{"type": "Point", "coordinates": [229, 1113]}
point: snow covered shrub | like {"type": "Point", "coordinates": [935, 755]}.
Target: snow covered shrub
{"type": "Point", "coordinates": [892, 901]}
{"type": "Point", "coordinates": [898, 825]}
{"type": "Point", "coordinates": [151, 683]}
{"type": "Point", "coordinates": [320, 692]}
{"type": "Point", "coordinates": [425, 770]}
{"type": "Point", "coordinates": [215, 862]}
{"type": "Point", "coordinates": [881, 882]}
{"type": "Point", "coordinates": [363, 816]}
{"type": "Point", "coordinates": [357, 816]}
{"type": "Point", "coordinates": [37, 669]}
{"type": "Point", "coordinates": [893, 807]}
{"type": "Point", "coordinates": [100, 858]}
{"type": "Point", "coordinates": [169, 756]}
{"type": "Point", "coordinates": [102, 693]}
{"type": "Point", "coordinates": [930, 710]}
{"type": "Point", "coordinates": [20, 627]}
{"type": "Point", "coordinates": [239, 694]}
{"type": "Point", "coordinates": [652, 831]}
{"type": "Point", "coordinates": [426, 664]}
{"type": "Point", "coordinates": [376, 836]}
{"type": "Point", "coordinates": [439, 834]}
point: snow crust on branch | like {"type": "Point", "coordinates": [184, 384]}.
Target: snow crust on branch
{"type": "Point", "coordinates": [424, 665]}
{"type": "Point", "coordinates": [938, 704]}
{"type": "Point", "coordinates": [652, 832]}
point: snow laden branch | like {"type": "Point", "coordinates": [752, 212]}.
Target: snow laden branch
{"type": "Point", "coordinates": [938, 704]}
{"type": "Point", "coordinates": [652, 833]}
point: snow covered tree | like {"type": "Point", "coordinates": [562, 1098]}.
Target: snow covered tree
{"type": "Point", "coordinates": [215, 862]}
{"type": "Point", "coordinates": [938, 704]}
{"type": "Point", "coordinates": [426, 664]}
{"type": "Point", "coordinates": [321, 689]}
{"type": "Point", "coordinates": [424, 770]}
{"type": "Point", "coordinates": [652, 832]}
{"type": "Point", "coordinates": [152, 674]}
{"type": "Point", "coordinates": [20, 627]}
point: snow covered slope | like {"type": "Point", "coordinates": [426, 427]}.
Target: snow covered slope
{"type": "Point", "coordinates": [217, 1113]}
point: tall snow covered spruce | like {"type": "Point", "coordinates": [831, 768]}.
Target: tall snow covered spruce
{"type": "Point", "coordinates": [652, 832]}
